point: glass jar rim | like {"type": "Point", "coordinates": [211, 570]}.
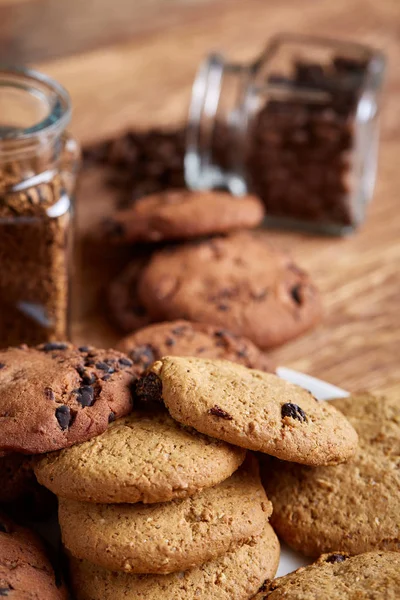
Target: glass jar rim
{"type": "Point", "coordinates": [59, 114]}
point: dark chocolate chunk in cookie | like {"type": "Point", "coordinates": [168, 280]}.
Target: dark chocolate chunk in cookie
{"type": "Point", "coordinates": [295, 412]}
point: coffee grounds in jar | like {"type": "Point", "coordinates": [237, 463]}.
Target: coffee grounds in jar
{"type": "Point", "coordinates": [35, 227]}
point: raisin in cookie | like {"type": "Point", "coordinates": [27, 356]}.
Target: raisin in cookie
{"type": "Point", "coordinates": [140, 458]}
{"type": "Point", "coordinates": [184, 338]}
{"type": "Point", "coordinates": [56, 395]}
{"type": "Point", "coordinates": [240, 282]}
{"type": "Point", "coordinates": [183, 214]}
{"type": "Point", "coordinates": [234, 576]}
{"type": "Point", "coordinates": [170, 536]}
{"type": "Point", "coordinates": [249, 408]}
{"type": "Point", "coordinates": [370, 576]}
{"type": "Point", "coordinates": [354, 507]}
{"type": "Point", "coordinates": [25, 569]}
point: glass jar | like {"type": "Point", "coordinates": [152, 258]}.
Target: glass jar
{"type": "Point", "coordinates": [38, 164]}
{"type": "Point", "coordinates": [298, 127]}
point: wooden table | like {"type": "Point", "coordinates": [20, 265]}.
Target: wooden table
{"type": "Point", "coordinates": [147, 82]}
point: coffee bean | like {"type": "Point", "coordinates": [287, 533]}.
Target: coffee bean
{"type": "Point", "coordinates": [294, 411]}
{"type": "Point", "coordinates": [85, 395]}
{"type": "Point", "coordinates": [63, 416]}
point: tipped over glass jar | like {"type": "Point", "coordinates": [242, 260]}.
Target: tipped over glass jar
{"type": "Point", "coordinates": [298, 127]}
{"type": "Point", "coordinates": [38, 163]}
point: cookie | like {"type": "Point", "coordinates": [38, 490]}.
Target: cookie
{"type": "Point", "coordinates": [20, 490]}
{"type": "Point", "coordinates": [125, 309]}
{"type": "Point", "coordinates": [249, 408]}
{"type": "Point", "coordinates": [56, 395]}
{"type": "Point", "coordinates": [183, 214]}
{"type": "Point", "coordinates": [234, 576]}
{"type": "Point", "coordinates": [140, 458]}
{"type": "Point", "coordinates": [184, 338]}
{"type": "Point", "coordinates": [239, 282]}
{"type": "Point", "coordinates": [170, 536]}
{"type": "Point", "coordinates": [372, 576]}
{"type": "Point", "coordinates": [354, 507]}
{"type": "Point", "coordinates": [25, 569]}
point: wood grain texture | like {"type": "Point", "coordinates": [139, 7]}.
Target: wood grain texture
{"type": "Point", "coordinates": [44, 29]}
{"type": "Point", "coordinates": [147, 82]}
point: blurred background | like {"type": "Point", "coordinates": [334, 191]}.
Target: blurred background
{"type": "Point", "coordinates": [113, 55]}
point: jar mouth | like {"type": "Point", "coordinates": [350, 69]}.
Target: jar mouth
{"type": "Point", "coordinates": [32, 105]}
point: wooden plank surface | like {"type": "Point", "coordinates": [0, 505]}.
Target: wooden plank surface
{"type": "Point", "coordinates": [43, 29]}
{"type": "Point", "coordinates": [147, 82]}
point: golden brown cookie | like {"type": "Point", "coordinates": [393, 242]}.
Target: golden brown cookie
{"type": "Point", "coordinates": [353, 507]}
{"type": "Point", "coordinates": [239, 282]}
{"type": "Point", "coordinates": [25, 569]}
{"type": "Point", "coordinates": [145, 457]}
{"type": "Point", "coordinates": [249, 408]}
{"type": "Point", "coordinates": [170, 536]}
{"type": "Point", "coordinates": [185, 338]}
{"type": "Point", "coordinates": [370, 576]}
{"type": "Point", "coordinates": [55, 395]}
{"type": "Point", "coordinates": [183, 214]}
{"type": "Point", "coordinates": [234, 576]}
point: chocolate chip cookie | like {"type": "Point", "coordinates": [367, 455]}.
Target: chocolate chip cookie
{"type": "Point", "coordinates": [183, 214]}
{"type": "Point", "coordinates": [249, 408]}
{"type": "Point", "coordinates": [55, 395]}
{"type": "Point", "coordinates": [185, 338]}
{"type": "Point", "coordinates": [126, 310]}
{"type": "Point", "coordinates": [170, 536]}
{"type": "Point", "coordinates": [239, 282]}
{"type": "Point", "coordinates": [354, 507]}
{"type": "Point", "coordinates": [140, 458]}
{"type": "Point", "coordinates": [234, 576]}
{"type": "Point", "coordinates": [372, 576]}
{"type": "Point", "coordinates": [25, 570]}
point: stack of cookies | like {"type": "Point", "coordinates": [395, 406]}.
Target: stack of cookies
{"type": "Point", "coordinates": [53, 396]}
{"type": "Point", "coordinates": [168, 501]}
{"type": "Point", "coordinates": [218, 273]}
{"type": "Point", "coordinates": [155, 462]}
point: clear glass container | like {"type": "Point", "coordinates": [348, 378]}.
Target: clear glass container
{"type": "Point", "coordinates": [38, 165]}
{"type": "Point", "coordinates": [298, 127]}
